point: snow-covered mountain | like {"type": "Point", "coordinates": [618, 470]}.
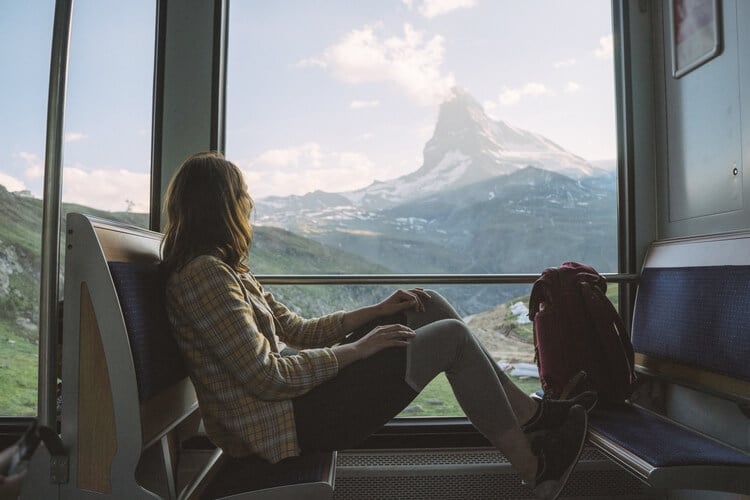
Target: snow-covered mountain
{"type": "Point", "coordinates": [488, 198]}
{"type": "Point", "coordinates": [467, 147]}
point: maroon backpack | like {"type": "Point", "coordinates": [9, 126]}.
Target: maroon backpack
{"type": "Point", "coordinates": [577, 329]}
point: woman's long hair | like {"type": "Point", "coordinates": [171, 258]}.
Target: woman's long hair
{"type": "Point", "coordinates": [208, 212]}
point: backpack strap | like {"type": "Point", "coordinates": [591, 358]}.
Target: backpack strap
{"type": "Point", "coordinates": [543, 289]}
{"type": "Point", "coordinates": [604, 315]}
{"type": "Point", "coordinates": [541, 293]}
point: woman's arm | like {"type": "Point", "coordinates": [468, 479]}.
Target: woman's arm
{"type": "Point", "coordinates": [399, 301]}
{"type": "Point", "coordinates": [327, 330]}
{"type": "Point", "coordinates": [311, 331]}
{"type": "Point", "coordinates": [217, 330]}
{"type": "Point", "coordinates": [379, 338]}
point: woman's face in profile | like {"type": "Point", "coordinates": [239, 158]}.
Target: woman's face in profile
{"type": "Point", "coordinates": [246, 201]}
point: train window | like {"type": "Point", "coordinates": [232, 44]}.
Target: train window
{"type": "Point", "coordinates": [107, 142]}
{"type": "Point", "coordinates": [25, 41]}
{"type": "Point", "coordinates": [109, 106]}
{"type": "Point", "coordinates": [425, 137]}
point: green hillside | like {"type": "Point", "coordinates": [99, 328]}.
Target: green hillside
{"type": "Point", "coordinates": [274, 251]}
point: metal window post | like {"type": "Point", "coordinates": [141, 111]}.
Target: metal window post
{"type": "Point", "coordinates": [48, 295]}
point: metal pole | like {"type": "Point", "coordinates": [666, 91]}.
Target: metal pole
{"type": "Point", "coordinates": [413, 279]}
{"type": "Point", "coordinates": [48, 296]}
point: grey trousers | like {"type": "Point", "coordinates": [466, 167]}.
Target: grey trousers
{"type": "Point", "coordinates": [365, 395]}
{"type": "Point", "coordinates": [445, 344]}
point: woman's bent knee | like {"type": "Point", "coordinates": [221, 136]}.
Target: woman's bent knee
{"type": "Point", "coordinates": [435, 349]}
{"type": "Point", "coordinates": [436, 308]}
{"type": "Point", "coordinates": [445, 332]}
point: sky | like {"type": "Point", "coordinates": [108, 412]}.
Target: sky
{"type": "Point", "coordinates": [328, 94]}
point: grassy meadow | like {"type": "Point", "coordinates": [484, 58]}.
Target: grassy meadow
{"type": "Point", "coordinates": [436, 400]}
{"type": "Point", "coordinates": [18, 370]}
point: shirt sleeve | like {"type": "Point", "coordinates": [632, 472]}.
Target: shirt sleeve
{"type": "Point", "coordinates": [212, 300]}
{"type": "Point", "coordinates": [299, 332]}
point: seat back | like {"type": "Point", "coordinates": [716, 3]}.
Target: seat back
{"type": "Point", "coordinates": [140, 290]}
{"type": "Point", "coordinates": [126, 389]}
{"type": "Point", "coordinates": [691, 314]}
{"type": "Point", "coordinates": [124, 384]}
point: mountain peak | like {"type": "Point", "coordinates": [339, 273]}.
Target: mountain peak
{"type": "Point", "coordinates": [463, 129]}
{"type": "Point", "coordinates": [462, 101]}
{"type": "Point", "coordinates": [466, 147]}
{"type": "Point", "coordinates": [462, 124]}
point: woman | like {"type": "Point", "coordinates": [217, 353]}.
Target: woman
{"type": "Point", "coordinates": [257, 396]}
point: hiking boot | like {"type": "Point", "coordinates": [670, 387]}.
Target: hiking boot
{"type": "Point", "coordinates": [551, 413]}
{"type": "Point", "coordinates": [558, 452]}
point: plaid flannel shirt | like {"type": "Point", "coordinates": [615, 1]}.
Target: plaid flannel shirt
{"type": "Point", "coordinates": [228, 330]}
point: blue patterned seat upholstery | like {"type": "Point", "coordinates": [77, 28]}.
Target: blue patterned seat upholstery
{"type": "Point", "coordinates": [690, 326]}
{"type": "Point", "coordinates": [697, 316]}
{"type": "Point", "coordinates": [140, 289]}
{"type": "Point", "coordinates": [661, 442]}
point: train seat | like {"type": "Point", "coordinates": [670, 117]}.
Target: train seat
{"type": "Point", "coordinates": [128, 402]}
{"type": "Point", "coordinates": [140, 289]}
{"type": "Point", "coordinates": [689, 328]}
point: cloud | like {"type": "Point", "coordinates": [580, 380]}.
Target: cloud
{"type": "Point", "coordinates": [34, 165]}
{"type": "Point", "coordinates": [106, 189]}
{"type": "Point", "coordinates": [11, 183]}
{"type": "Point", "coordinates": [305, 168]}
{"type": "Point", "coordinates": [291, 158]}
{"type": "Point", "coordinates": [310, 62]}
{"type": "Point", "coordinates": [565, 63]}
{"type": "Point", "coordinates": [411, 61]}
{"type": "Point", "coordinates": [511, 96]}
{"type": "Point", "coordinates": [75, 136]}
{"type": "Point", "coordinates": [605, 50]}
{"type": "Point", "coordinates": [572, 87]}
{"type": "Point", "coordinates": [364, 104]}
{"type": "Point", "coordinates": [433, 8]}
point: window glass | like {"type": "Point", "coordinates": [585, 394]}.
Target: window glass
{"type": "Point", "coordinates": [504, 330]}
{"type": "Point", "coordinates": [25, 43]}
{"type": "Point", "coordinates": [107, 143]}
{"type": "Point", "coordinates": [107, 160]}
{"type": "Point", "coordinates": [425, 137]}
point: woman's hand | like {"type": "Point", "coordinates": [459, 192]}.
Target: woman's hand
{"type": "Point", "coordinates": [398, 301]}
{"type": "Point", "coordinates": [379, 338]}
{"type": "Point", "coordinates": [403, 299]}
{"type": "Point", "coordinates": [382, 337]}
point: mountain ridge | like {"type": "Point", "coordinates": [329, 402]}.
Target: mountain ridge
{"type": "Point", "coordinates": [462, 212]}
{"type": "Point", "coordinates": [467, 146]}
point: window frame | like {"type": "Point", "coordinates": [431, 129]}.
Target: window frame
{"type": "Point", "coordinates": [458, 431]}
{"type": "Point", "coordinates": [422, 431]}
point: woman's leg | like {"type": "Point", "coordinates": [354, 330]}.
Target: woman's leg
{"type": "Point", "coordinates": [492, 402]}
{"type": "Point", "coordinates": [448, 346]}
{"type": "Point", "coordinates": [344, 411]}
{"type": "Point", "coordinates": [365, 395]}
{"type": "Point", "coordinates": [438, 308]}
{"type": "Point", "coordinates": [347, 409]}
{"type": "Point", "coordinates": [532, 414]}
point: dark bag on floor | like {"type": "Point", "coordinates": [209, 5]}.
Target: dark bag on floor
{"type": "Point", "coordinates": [577, 329]}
